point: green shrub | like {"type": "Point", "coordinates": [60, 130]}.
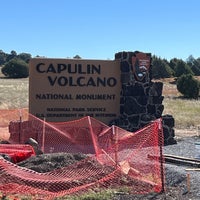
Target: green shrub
{"type": "Point", "coordinates": [182, 68]}
{"type": "Point", "coordinates": [16, 68]}
{"type": "Point", "coordinates": [161, 68]}
{"type": "Point", "coordinates": [188, 86]}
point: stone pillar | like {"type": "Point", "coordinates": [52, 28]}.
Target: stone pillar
{"type": "Point", "coordinates": [141, 99]}
{"type": "Point", "coordinates": [168, 129]}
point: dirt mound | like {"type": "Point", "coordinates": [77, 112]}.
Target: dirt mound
{"type": "Point", "coordinates": [175, 181]}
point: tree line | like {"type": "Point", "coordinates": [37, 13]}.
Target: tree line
{"type": "Point", "coordinates": [15, 65]}
{"type": "Point", "coordinates": [162, 68]}
{"type": "Point", "coordinates": [184, 73]}
{"type": "Point", "coordinates": [6, 57]}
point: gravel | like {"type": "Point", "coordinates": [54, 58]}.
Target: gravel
{"type": "Point", "coordinates": [187, 182]}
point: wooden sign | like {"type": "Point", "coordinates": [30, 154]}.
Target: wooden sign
{"type": "Point", "coordinates": [69, 89]}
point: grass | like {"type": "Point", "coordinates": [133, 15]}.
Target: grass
{"type": "Point", "coordinates": [96, 194]}
{"type": "Point", "coordinates": [185, 112]}
{"type": "Point", "coordinates": [13, 93]}
{"type": "Point", "coordinates": [100, 195]}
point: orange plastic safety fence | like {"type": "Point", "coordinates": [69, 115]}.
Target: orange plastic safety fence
{"type": "Point", "coordinates": [17, 152]}
{"type": "Point", "coordinates": [115, 158]}
{"type": "Point", "coordinates": [13, 115]}
{"type": "Point", "coordinates": [6, 116]}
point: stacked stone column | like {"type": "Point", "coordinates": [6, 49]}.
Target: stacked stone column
{"type": "Point", "coordinates": [140, 98]}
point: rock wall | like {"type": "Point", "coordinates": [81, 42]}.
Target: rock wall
{"type": "Point", "coordinates": [140, 98]}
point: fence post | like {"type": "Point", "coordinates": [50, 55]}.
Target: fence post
{"type": "Point", "coordinates": [160, 143]}
{"type": "Point", "coordinates": [115, 133]}
{"type": "Point", "coordinates": [93, 136]}
{"type": "Point", "coordinates": [43, 134]}
{"type": "Point", "coordinates": [20, 125]}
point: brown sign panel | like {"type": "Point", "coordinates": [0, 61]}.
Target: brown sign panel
{"type": "Point", "coordinates": [141, 64]}
{"type": "Point", "coordinates": [69, 89]}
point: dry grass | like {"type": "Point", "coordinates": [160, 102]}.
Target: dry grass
{"type": "Point", "coordinates": [185, 111]}
{"type": "Point", "coordinates": [13, 93]}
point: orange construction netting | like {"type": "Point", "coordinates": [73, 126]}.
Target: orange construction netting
{"type": "Point", "coordinates": [114, 158]}
{"type": "Point", "coordinates": [6, 116]}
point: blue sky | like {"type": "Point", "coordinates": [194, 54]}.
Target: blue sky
{"type": "Point", "coordinates": [97, 29]}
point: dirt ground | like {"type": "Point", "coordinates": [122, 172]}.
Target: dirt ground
{"type": "Point", "coordinates": [180, 133]}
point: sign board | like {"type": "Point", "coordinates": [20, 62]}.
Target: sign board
{"type": "Point", "coordinates": [141, 63]}
{"type": "Point", "coordinates": [69, 89]}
